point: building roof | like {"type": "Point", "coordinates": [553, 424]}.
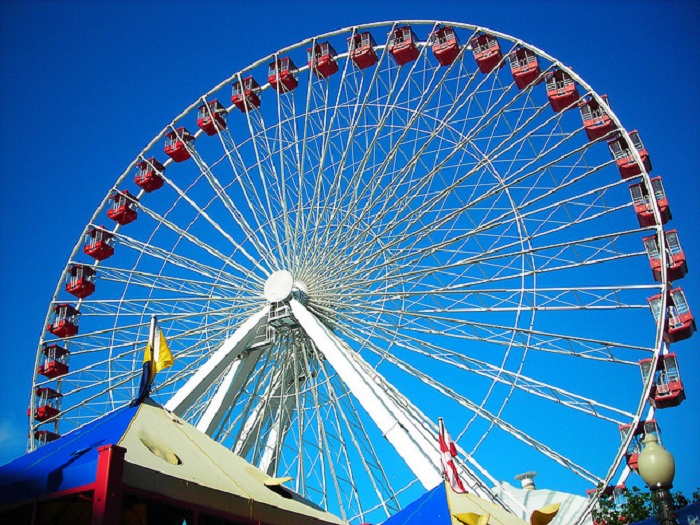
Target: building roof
{"type": "Point", "coordinates": [166, 456]}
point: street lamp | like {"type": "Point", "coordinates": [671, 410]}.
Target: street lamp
{"type": "Point", "coordinates": [657, 468]}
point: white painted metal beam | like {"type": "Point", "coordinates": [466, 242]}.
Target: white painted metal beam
{"type": "Point", "coordinates": [278, 432]}
{"type": "Point", "coordinates": [210, 371]}
{"type": "Point", "coordinates": [277, 408]}
{"type": "Point", "coordinates": [228, 390]}
{"type": "Point", "coordinates": [398, 426]}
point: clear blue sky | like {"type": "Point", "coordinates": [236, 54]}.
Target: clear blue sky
{"type": "Point", "coordinates": [86, 85]}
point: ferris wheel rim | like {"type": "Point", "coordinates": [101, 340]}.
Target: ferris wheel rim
{"type": "Point", "coordinates": [238, 75]}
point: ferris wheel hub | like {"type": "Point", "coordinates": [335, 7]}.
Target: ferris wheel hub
{"type": "Point", "coordinates": [278, 286]}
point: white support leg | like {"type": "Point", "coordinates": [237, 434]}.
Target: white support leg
{"type": "Point", "coordinates": [278, 412]}
{"type": "Point", "coordinates": [228, 390]}
{"type": "Point", "coordinates": [400, 428]}
{"type": "Point", "coordinates": [210, 371]}
{"type": "Point", "coordinates": [401, 422]}
{"type": "Point", "coordinates": [268, 405]}
{"type": "Point", "coordinates": [277, 434]}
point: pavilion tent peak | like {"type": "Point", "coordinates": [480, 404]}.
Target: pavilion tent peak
{"type": "Point", "coordinates": [162, 457]}
{"type": "Point", "coordinates": [213, 469]}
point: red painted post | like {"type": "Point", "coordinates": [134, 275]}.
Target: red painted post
{"type": "Point", "coordinates": [107, 500]}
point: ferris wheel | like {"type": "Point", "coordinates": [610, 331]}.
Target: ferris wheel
{"type": "Point", "coordinates": [366, 231]}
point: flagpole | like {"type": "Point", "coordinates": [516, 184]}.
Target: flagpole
{"type": "Point", "coordinates": [148, 365]}
{"type": "Point", "coordinates": [441, 439]}
{"type": "Point", "coordinates": [448, 453]}
{"type": "Point", "coordinates": [152, 337]}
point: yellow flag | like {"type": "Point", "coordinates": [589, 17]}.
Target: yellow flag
{"type": "Point", "coordinates": [163, 357]}
{"type": "Point", "coordinates": [159, 356]}
{"type": "Point", "coordinates": [156, 357]}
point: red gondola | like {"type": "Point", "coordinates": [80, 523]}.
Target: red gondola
{"type": "Point", "coordinates": [211, 117]}
{"type": "Point", "coordinates": [123, 209]}
{"type": "Point", "coordinates": [626, 163]}
{"type": "Point", "coordinates": [80, 281]}
{"type": "Point", "coordinates": [149, 175]}
{"type": "Point", "coordinates": [445, 45]}
{"type": "Point", "coordinates": [643, 204]}
{"type": "Point", "coordinates": [561, 90]}
{"type": "Point", "coordinates": [48, 404]}
{"type": "Point", "coordinates": [321, 60]}
{"type": "Point", "coordinates": [99, 244]}
{"type": "Point", "coordinates": [524, 66]}
{"type": "Point", "coordinates": [403, 45]}
{"type": "Point", "coordinates": [487, 52]}
{"type": "Point", "coordinates": [361, 47]}
{"type": "Point", "coordinates": [245, 94]}
{"type": "Point", "coordinates": [642, 429]}
{"type": "Point", "coordinates": [596, 121]}
{"type": "Point", "coordinates": [43, 437]}
{"type": "Point", "coordinates": [675, 258]}
{"type": "Point", "coordinates": [55, 361]}
{"type": "Point", "coordinates": [667, 390]}
{"type": "Point", "coordinates": [282, 75]}
{"type": "Point", "coordinates": [65, 321]}
{"type": "Point", "coordinates": [177, 143]}
{"type": "Point", "coordinates": [680, 323]}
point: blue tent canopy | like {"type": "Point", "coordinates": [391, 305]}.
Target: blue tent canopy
{"type": "Point", "coordinates": [431, 508]}
{"type": "Point", "coordinates": [64, 464]}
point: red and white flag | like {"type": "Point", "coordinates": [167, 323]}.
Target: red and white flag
{"type": "Point", "coordinates": [448, 451]}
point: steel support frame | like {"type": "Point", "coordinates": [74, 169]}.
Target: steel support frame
{"type": "Point", "coordinates": [230, 354]}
